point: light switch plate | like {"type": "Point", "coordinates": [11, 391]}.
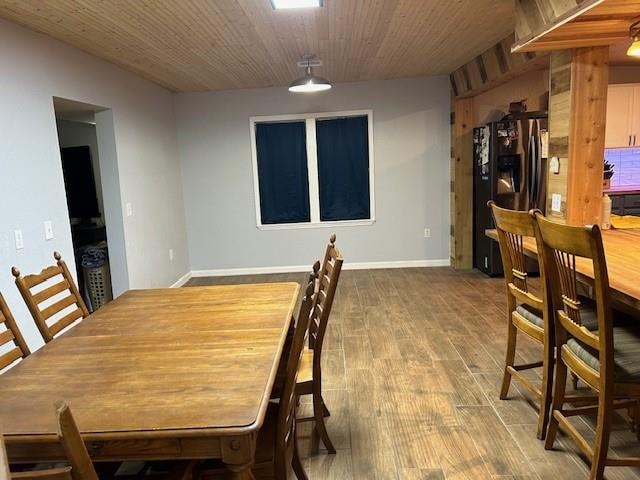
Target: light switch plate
{"type": "Point", "coordinates": [129, 209]}
{"type": "Point", "coordinates": [556, 202]}
{"type": "Point", "coordinates": [19, 240]}
{"type": "Point", "coordinates": [48, 230]}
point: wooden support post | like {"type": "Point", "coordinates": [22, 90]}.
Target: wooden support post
{"type": "Point", "coordinates": [577, 116]}
{"type": "Point", "coordinates": [462, 184]}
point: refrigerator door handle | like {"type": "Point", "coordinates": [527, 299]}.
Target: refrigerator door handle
{"type": "Point", "coordinates": [532, 172]}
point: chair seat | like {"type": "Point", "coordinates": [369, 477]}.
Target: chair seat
{"type": "Point", "coordinates": [531, 314]}
{"type": "Point", "coordinates": [587, 314]}
{"type": "Point", "coordinates": [626, 347]}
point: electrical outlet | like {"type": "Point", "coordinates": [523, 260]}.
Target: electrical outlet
{"type": "Point", "coordinates": [129, 209]}
{"type": "Point", "coordinates": [48, 230]}
{"type": "Point", "coordinates": [171, 255]}
{"type": "Point", "coordinates": [19, 240]}
{"type": "Point", "coordinates": [556, 202]}
{"type": "Point", "coordinates": [427, 233]}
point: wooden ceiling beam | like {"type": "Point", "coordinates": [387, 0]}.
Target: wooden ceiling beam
{"type": "Point", "coordinates": [585, 23]}
{"type": "Point", "coordinates": [494, 66]}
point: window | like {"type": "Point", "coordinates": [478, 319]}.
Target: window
{"type": "Point", "coordinates": [313, 170]}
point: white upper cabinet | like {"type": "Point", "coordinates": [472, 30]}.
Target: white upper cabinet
{"type": "Point", "coordinates": [623, 110]}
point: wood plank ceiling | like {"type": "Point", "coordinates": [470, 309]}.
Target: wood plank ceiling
{"type": "Point", "coordinates": [195, 45]}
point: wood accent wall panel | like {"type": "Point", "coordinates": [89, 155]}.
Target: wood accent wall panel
{"type": "Point", "coordinates": [562, 24]}
{"type": "Point", "coordinates": [534, 16]}
{"type": "Point", "coordinates": [493, 67]}
{"type": "Point", "coordinates": [559, 115]}
{"type": "Point", "coordinates": [462, 184]}
{"type": "Point", "coordinates": [577, 115]}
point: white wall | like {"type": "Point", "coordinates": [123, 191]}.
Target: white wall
{"type": "Point", "coordinates": [411, 144]}
{"type": "Point", "coordinates": [33, 69]}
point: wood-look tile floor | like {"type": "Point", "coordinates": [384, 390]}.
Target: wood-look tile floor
{"type": "Point", "coordinates": [412, 368]}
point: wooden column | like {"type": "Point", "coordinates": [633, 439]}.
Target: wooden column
{"type": "Point", "coordinates": [462, 184]}
{"type": "Point", "coordinates": [577, 116]}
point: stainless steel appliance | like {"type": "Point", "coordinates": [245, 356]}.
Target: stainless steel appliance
{"type": "Point", "coordinates": [509, 167]}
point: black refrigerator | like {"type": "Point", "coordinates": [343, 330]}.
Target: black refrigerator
{"type": "Point", "coordinates": [509, 167]}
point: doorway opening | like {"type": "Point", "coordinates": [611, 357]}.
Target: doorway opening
{"type": "Point", "coordinates": [89, 189]}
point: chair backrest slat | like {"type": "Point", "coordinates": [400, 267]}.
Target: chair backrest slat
{"type": "Point", "coordinates": [513, 227]}
{"type": "Point", "coordinates": [286, 423]}
{"type": "Point", "coordinates": [564, 246]}
{"type": "Point", "coordinates": [35, 299]}
{"type": "Point", "coordinates": [80, 466]}
{"type": "Point", "coordinates": [73, 445]}
{"type": "Point", "coordinates": [328, 277]}
{"type": "Point", "coordinates": [11, 336]}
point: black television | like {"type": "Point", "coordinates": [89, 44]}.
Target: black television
{"type": "Point", "coordinates": [79, 182]}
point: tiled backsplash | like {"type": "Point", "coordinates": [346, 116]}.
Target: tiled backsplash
{"type": "Point", "coordinates": [626, 166]}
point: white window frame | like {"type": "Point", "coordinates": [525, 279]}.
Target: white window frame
{"type": "Point", "coordinates": [312, 169]}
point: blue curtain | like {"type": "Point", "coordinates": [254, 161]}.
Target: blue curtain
{"type": "Point", "coordinates": [282, 172]}
{"type": "Point", "coordinates": [343, 168]}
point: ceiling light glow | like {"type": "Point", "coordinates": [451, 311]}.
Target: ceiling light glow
{"type": "Point", "coordinates": [634, 33]}
{"type": "Point", "coordinates": [309, 83]}
{"type": "Point", "coordinates": [283, 4]}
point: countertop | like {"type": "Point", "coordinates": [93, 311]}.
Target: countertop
{"type": "Point", "coordinates": [622, 251]}
{"type": "Point", "coordinates": [623, 190]}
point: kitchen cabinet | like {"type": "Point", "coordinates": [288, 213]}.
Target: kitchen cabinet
{"type": "Point", "coordinates": [628, 204]}
{"type": "Point", "coordinates": [623, 116]}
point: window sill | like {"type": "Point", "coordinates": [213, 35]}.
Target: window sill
{"type": "Point", "coordinates": [297, 226]}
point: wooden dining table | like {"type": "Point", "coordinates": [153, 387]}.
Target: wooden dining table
{"type": "Point", "coordinates": [622, 252]}
{"type": "Point", "coordinates": [180, 373]}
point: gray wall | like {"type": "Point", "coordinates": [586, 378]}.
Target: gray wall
{"type": "Point", "coordinates": [34, 69]}
{"type": "Point", "coordinates": [411, 145]}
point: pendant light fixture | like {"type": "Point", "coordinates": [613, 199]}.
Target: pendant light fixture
{"type": "Point", "coordinates": [634, 33]}
{"type": "Point", "coordinates": [309, 83]}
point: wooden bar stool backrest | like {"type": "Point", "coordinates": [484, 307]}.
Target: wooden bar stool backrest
{"type": "Point", "coordinates": [286, 423]}
{"type": "Point", "coordinates": [512, 227]}
{"type": "Point", "coordinates": [80, 466]}
{"type": "Point", "coordinates": [12, 344]}
{"type": "Point", "coordinates": [563, 246]}
{"type": "Point", "coordinates": [328, 277]}
{"type": "Point", "coordinates": [52, 298]}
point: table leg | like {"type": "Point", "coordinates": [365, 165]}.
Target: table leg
{"type": "Point", "coordinates": [241, 472]}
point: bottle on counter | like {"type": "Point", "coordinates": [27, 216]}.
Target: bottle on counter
{"type": "Point", "coordinates": [606, 212]}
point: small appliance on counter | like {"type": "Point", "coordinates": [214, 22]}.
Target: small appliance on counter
{"type": "Point", "coordinates": [509, 167]}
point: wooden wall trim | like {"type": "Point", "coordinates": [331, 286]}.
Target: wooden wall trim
{"type": "Point", "coordinates": [494, 66]}
{"type": "Point", "coordinates": [462, 184]}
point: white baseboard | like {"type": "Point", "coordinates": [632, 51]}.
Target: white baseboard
{"type": "Point", "coordinates": [182, 280]}
{"type": "Point", "coordinates": [445, 262]}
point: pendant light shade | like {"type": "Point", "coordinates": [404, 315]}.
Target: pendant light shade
{"type": "Point", "coordinates": [634, 48]}
{"type": "Point", "coordinates": [309, 83]}
{"type": "Point", "coordinates": [634, 33]}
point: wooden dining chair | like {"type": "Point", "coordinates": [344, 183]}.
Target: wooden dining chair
{"type": "Point", "coordinates": [38, 289]}
{"type": "Point", "coordinates": [277, 444]}
{"type": "Point", "coordinates": [527, 312]}
{"type": "Point", "coordinates": [310, 375]}
{"type": "Point", "coordinates": [606, 357]}
{"type": "Point", "coordinates": [11, 340]}
{"type": "Point", "coordinates": [80, 466]}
